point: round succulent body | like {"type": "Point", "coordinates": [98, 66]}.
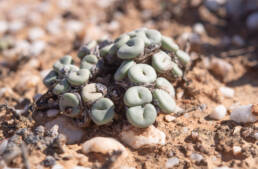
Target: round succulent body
{"type": "Point", "coordinates": [78, 78]}
{"type": "Point", "coordinates": [168, 44]}
{"type": "Point", "coordinates": [165, 85]}
{"type": "Point", "coordinates": [50, 79]}
{"type": "Point", "coordinates": [131, 49]}
{"type": "Point", "coordinates": [86, 49]}
{"type": "Point", "coordinates": [90, 93]}
{"type": "Point", "coordinates": [88, 62]}
{"type": "Point", "coordinates": [161, 62]}
{"type": "Point", "coordinates": [137, 95]}
{"type": "Point", "coordinates": [154, 36]}
{"type": "Point", "coordinates": [59, 65]}
{"type": "Point", "coordinates": [61, 87]}
{"type": "Point", "coordinates": [69, 104]}
{"type": "Point", "coordinates": [142, 74]}
{"type": "Point", "coordinates": [105, 50]}
{"type": "Point", "coordinates": [123, 69]}
{"type": "Point", "coordinates": [121, 40]}
{"type": "Point", "coordinates": [102, 111]}
{"type": "Point", "coordinates": [176, 71]}
{"type": "Point", "coordinates": [183, 57]}
{"type": "Point", "coordinates": [134, 32]}
{"type": "Point", "coordinates": [165, 102]}
{"type": "Point", "coordinates": [149, 36]}
{"type": "Point", "coordinates": [141, 116]}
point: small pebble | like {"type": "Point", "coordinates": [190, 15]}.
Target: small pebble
{"type": "Point", "coordinates": [169, 118]}
{"type": "Point", "coordinates": [199, 28]}
{"type": "Point", "coordinates": [74, 26]}
{"type": "Point", "coordinates": [218, 112]}
{"type": "Point", "coordinates": [236, 150]}
{"type": "Point", "coordinates": [171, 162]}
{"type": "Point", "coordinates": [57, 166]}
{"type": "Point", "coordinates": [22, 47]}
{"type": "Point", "coordinates": [251, 21]}
{"type": "Point", "coordinates": [227, 92]}
{"type": "Point", "coordinates": [186, 115]}
{"type": "Point", "coordinates": [104, 145]}
{"type": "Point", "coordinates": [256, 135]}
{"type": "Point", "coordinates": [80, 167]}
{"type": "Point", "coordinates": [185, 129]}
{"type": "Point", "coordinates": [36, 33]}
{"type": "Point", "coordinates": [15, 26]}
{"type": "Point", "coordinates": [150, 137]}
{"type": "Point", "coordinates": [224, 167]}
{"type": "Point", "coordinates": [243, 114]}
{"type": "Point", "coordinates": [49, 161]}
{"type": "Point", "coordinates": [196, 157]}
{"type": "Point", "coordinates": [194, 135]}
{"type": "Point", "coordinates": [52, 112]}
{"type": "Point", "coordinates": [54, 26]}
{"type": "Point", "coordinates": [220, 67]}
{"type": "Point", "coordinates": [238, 40]}
{"type": "Point", "coordinates": [104, 3]}
{"type": "Point", "coordinates": [113, 26]}
{"type": "Point", "coordinates": [3, 26]}
{"type": "Point", "coordinates": [37, 47]}
{"type": "Point", "coordinates": [64, 4]}
{"type": "Point", "coordinates": [33, 63]}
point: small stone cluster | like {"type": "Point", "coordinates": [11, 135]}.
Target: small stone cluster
{"type": "Point", "coordinates": [131, 74]}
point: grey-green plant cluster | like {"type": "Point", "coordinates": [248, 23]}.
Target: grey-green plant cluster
{"type": "Point", "coordinates": [130, 76]}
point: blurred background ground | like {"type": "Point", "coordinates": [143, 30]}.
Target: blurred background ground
{"type": "Point", "coordinates": [222, 39]}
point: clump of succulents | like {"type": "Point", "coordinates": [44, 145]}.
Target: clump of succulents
{"type": "Point", "coordinates": [130, 75]}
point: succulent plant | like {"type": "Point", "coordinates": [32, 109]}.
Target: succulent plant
{"type": "Point", "coordinates": [132, 75]}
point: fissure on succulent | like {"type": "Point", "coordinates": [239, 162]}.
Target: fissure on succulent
{"type": "Point", "coordinates": [131, 75]}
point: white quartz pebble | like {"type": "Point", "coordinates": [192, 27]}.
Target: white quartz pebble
{"type": "Point", "coordinates": [256, 135]}
{"type": "Point", "coordinates": [169, 118]}
{"type": "Point", "coordinates": [243, 114]}
{"type": "Point", "coordinates": [104, 145]}
{"type": "Point", "coordinates": [171, 162]}
{"type": "Point", "coordinates": [199, 28]}
{"type": "Point", "coordinates": [36, 33]}
{"type": "Point", "coordinates": [57, 166]}
{"type": "Point", "coordinates": [37, 47]}
{"type": "Point", "coordinates": [80, 167]}
{"type": "Point", "coordinates": [224, 167]}
{"type": "Point", "coordinates": [227, 92]}
{"type": "Point", "coordinates": [218, 112]}
{"type": "Point", "coordinates": [136, 138]}
{"type": "Point", "coordinates": [3, 26]}
{"type": "Point", "coordinates": [196, 157]}
{"type": "Point", "coordinates": [236, 150]}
